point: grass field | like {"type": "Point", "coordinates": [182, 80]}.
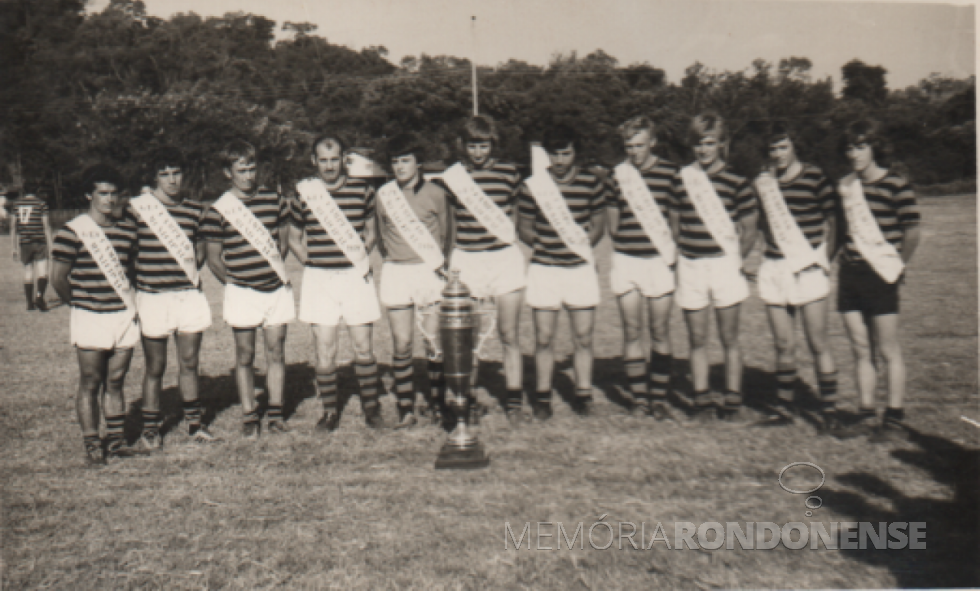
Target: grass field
{"type": "Point", "coordinates": [366, 509]}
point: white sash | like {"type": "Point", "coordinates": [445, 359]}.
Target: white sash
{"type": "Point", "coordinates": [786, 232]}
{"type": "Point", "coordinates": [104, 255]}
{"type": "Point", "coordinates": [409, 225]}
{"type": "Point", "coordinates": [155, 215]}
{"type": "Point", "coordinates": [711, 210]}
{"type": "Point", "coordinates": [540, 162]}
{"type": "Point", "coordinates": [476, 201]}
{"type": "Point", "coordinates": [646, 209]}
{"type": "Point", "coordinates": [314, 193]}
{"type": "Point", "coordinates": [864, 229]}
{"type": "Point", "coordinates": [549, 198]}
{"type": "Point", "coordinates": [249, 226]}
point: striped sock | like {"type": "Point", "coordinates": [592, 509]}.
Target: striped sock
{"type": "Point", "coordinates": [515, 397]}
{"type": "Point", "coordinates": [636, 377]}
{"type": "Point", "coordinates": [29, 295]}
{"type": "Point", "coordinates": [274, 413]}
{"type": "Point", "coordinates": [151, 421]}
{"type": "Point", "coordinates": [894, 414]}
{"type": "Point", "coordinates": [702, 399]}
{"type": "Point", "coordinates": [660, 366]}
{"type": "Point", "coordinates": [114, 431]}
{"type": "Point", "coordinates": [367, 381]}
{"type": "Point", "coordinates": [91, 440]}
{"type": "Point", "coordinates": [42, 286]}
{"type": "Point", "coordinates": [193, 413]}
{"type": "Point", "coordinates": [251, 418]}
{"type": "Point", "coordinates": [437, 384]}
{"type": "Point", "coordinates": [404, 372]}
{"type": "Point", "coordinates": [827, 383]}
{"type": "Point", "coordinates": [326, 384]}
{"type": "Point", "coordinates": [543, 398]}
{"type": "Point", "coordinates": [785, 383]}
{"type": "Point", "coordinates": [583, 393]}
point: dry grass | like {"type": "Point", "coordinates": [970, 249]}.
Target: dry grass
{"type": "Point", "coordinates": [365, 509]}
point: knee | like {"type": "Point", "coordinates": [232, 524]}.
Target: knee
{"type": "Point", "coordinates": [189, 362]}
{"type": "Point", "coordinates": [402, 348]}
{"type": "Point", "coordinates": [115, 379]}
{"type": "Point", "coordinates": [861, 349]}
{"type": "Point", "coordinates": [508, 336]}
{"type": "Point", "coordinates": [156, 367]}
{"type": "Point", "coordinates": [89, 383]}
{"type": "Point", "coordinates": [631, 332]}
{"type": "Point", "coordinates": [582, 340]}
{"type": "Point", "coordinates": [277, 353]}
{"type": "Point", "coordinates": [891, 352]}
{"type": "Point", "coordinates": [784, 346]}
{"type": "Point", "coordinates": [363, 353]}
{"type": "Point", "coordinates": [244, 355]}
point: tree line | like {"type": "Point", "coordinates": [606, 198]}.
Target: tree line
{"type": "Point", "coordinates": [115, 85]}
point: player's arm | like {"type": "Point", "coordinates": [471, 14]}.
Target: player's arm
{"type": "Point", "coordinates": [14, 243]}
{"type": "Point", "coordinates": [910, 241]}
{"type": "Point", "coordinates": [216, 262]}
{"type": "Point", "coordinates": [525, 217]}
{"type": "Point", "coordinates": [297, 243]}
{"type": "Point", "coordinates": [612, 215]}
{"type": "Point", "coordinates": [748, 232]}
{"type": "Point", "coordinates": [370, 233]}
{"type": "Point", "coordinates": [48, 238]}
{"type": "Point", "coordinates": [59, 280]}
{"type": "Point", "coordinates": [446, 221]}
{"type": "Point", "coordinates": [597, 223]}
{"type": "Point", "coordinates": [830, 233]}
{"type": "Point", "coordinates": [284, 239]}
{"type": "Point", "coordinates": [379, 236]}
{"type": "Point", "coordinates": [200, 253]}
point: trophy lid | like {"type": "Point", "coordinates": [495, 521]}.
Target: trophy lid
{"type": "Point", "coordinates": [455, 288]}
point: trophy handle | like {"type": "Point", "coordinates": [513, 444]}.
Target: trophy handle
{"type": "Point", "coordinates": [485, 335]}
{"type": "Point", "coordinates": [429, 337]}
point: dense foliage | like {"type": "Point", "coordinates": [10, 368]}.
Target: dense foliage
{"type": "Point", "coordinates": [114, 85]}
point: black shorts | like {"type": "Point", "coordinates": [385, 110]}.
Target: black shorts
{"type": "Point", "coordinates": [33, 251]}
{"type": "Point", "coordinates": [860, 289]}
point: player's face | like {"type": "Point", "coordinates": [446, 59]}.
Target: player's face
{"type": "Point", "coordinates": [861, 156]}
{"type": "Point", "coordinates": [782, 153]}
{"type": "Point", "coordinates": [406, 168]}
{"type": "Point", "coordinates": [639, 147]}
{"type": "Point", "coordinates": [708, 150]}
{"type": "Point", "coordinates": [478, 152]}
{"type": "Point", "coordinates": [242, 175]}
{"type": "Point", "coordinates": [562, 160]}
{"type": "Point", "coordinates": [329, 162]}
{"type": "Point", "coordinates": [169, 180]}
{"type": "Point", "coordinates": [104, 198]}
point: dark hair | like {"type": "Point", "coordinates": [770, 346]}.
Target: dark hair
{"type": "Point", "coordinates": [234, 151]}
{"type": "Point", "coordinates": [778, 131]}
{"type": "Point", "coordinates": [166, 157]}
{"type": "Point", "coordinates": [30, 187]}
{"type": "Point", "coordinates": [402, 145]}
{"type": "Point", "coordinates": [707, 123]}
{"type": "Point", "coordinates": [865, 131]}
{"type": "Point", "coordinates": [101, 173]}
{"type": "Point", "coordinates": [560, 137]}
{"type": "Point", "coordinates": [635, 125]}
{"type": "Point", "coordinates": [328, 139]}
{"type": "Point", "coordinates": [43, 192]}
{"type": "Point", "coordinates": [479, 128]}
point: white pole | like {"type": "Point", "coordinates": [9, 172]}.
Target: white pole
{"type": "Point", "coordinates": [476, 103]}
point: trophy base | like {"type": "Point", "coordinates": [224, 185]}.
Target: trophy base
{"type": "Point", "coordinates": [455, 458]}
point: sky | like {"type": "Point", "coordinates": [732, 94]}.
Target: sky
{"type": "Point", "coordinates": [910, 40]}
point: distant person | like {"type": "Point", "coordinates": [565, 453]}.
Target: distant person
{"type": "Point", "coordinates": [881, 219]}
{"type": "Point", "coordinates": [714, 217]}
{"type": "Point", "coordinates": [247, 232]}
{"type": "Point", "coordinates": [30, 236]}
{"type": "Point", "coordinates": [415, 236]}
{"type": "Point", "coordinates": [643, 260]}
{"type": "Point", "coordinates": [333, 231]}
{"type": "Point", "coordinates": [799, 208]}
{"type": "Point", "coordinates": [104, 327]}
{"type": "Point", "coordinates": [168, 292]}
{"type": "Point", "coordinates": [562, 216]}
{"type": "Point", "coordinates": [486, 254]}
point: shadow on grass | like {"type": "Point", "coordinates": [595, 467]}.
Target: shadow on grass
{"type": "Point", "coordinates": [952, 527]}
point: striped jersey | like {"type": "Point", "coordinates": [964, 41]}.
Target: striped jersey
{"type": "Point", "coordinates": [156, 270]}
{"type": "Point", "coordinates": [736, 194]}
{"type": "Point", "coordinates": [585, 195]}
{"type": "Point", "coordinates": [30, 211]}
{"type": "Point", "coordinates": [246, 266]}
{"type": "Point", "coordinates": [893, 205]}
{"type": "Point", "coordinates": [629, 237]}
{"type": "Point", "coordinates": [89, 288]}
{"type": "Point", "coordinates": [501, 182]}
{"type": "Point", "coordinates": [811, 200]}
{"type": "Point", "coordinates": [355, 197]}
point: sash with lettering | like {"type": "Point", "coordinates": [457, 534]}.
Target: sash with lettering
{"type": "Point", "coordinates": [254, 231]}
{"type": "Point", "coordinates": [155, 215]}
{"type": "Point", "coordinates": [315, 195]}
{"type": "Point", "coordinates": [410, 226]}
{"type": "Point", "coordinates": [711, 209]}
{"type": "Point", "coordinates": [549, 198]}
{"type": "Point", "coordinates": [786, 232]}
{"type": "Point", "coordinates": [863, 228]}
{"type": "Point", "coordinates": [104, 255]}
{"type": "Point", "coordinates": [540, 162]}
{"type": "Point", "coordinates": [476, 201]}
{"type": "Point", "coordinates": [645, 208]}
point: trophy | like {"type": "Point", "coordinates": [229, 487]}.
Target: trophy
{"type": "Point", "coordinates": [457, 320]}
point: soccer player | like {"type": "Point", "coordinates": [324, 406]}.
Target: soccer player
{"type": "Point", "coordinates": [714, 218]}
{"type": "Point", "coordinates": [562, 215]}
{"type": "Point", "coordinates": [644, 255]}
{"type": "Point", "coordinates": [799, 208]}
{"type": "Point", "coordinates": [334, 229]}
{"type": "Point", "coordinates": [415, 235]}
{"type": "Point", "coordinates": [247, 236]}
{"type": "Point", "coordinates": [882, 233]}
{"type": "Point", "coordinates": [30, 236]}
{"type": "Point", "coordinates": [486, 254]}
{"type": "Point", "coordinates": [168, 291]}
{"type": "Point", "coordinates": [104, 327]}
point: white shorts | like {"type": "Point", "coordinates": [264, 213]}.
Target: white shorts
{"type": "Point", "coordinates": [162, 314]}
{"type": "Point", "coordinates": [103, 331]}
{"type": "Point", "coordinates": [778, 286]}
{"type": "Point", "coordinates": [492, 272]}
{"type": "Point", "coordinates": [651, 276]}
{"type": "Point", "coordinates": [329, 296]}
{"type": "Point", "coordinates": [550, 288]}
{"type": "Point", "coordinates": [407, 284]}
{"type": "Point", "coordinates": [711, 280]}
{"type": "Point", "coordinates": [250, 308]}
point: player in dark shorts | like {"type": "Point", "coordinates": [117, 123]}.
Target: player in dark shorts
{"type": "Point", "coordinates": [870, 278]}
{"type": "Point", "coordinates": [104, 328]}
{"type": "Point", "coordinates": [30, 235]}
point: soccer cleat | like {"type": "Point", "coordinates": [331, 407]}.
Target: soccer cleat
{"type": "Point", "coordinates": [30, 306]}
{"type": "Point", "coordinates": [41, 304]}
{"type": "Point", "coordinates": [829, 423]}
{"type": "Point", "coordinates": [118, 452]}
{"type": "Point", "coordinates": [328, 422]}
{"type": "Point", "coordinates": [94, 455]}
{"type": "Point", "coordinates": [889, 430]}
{"type": "Point", "coordinates": [660, 411]}
{"type": "Point", "coordinates": [777, 415]}
{"type": "Point", "coordinates": [407, 421]}
{"type": "Point", "coordinates": [515, 417]}
{"type": "Point", "coordinates": [640, 408]}
{"type": "Point", "coordinates": [583, 406]}
{"type": "Point", "coordinates": [201, 434]}
{"type": "Point", "coordinates": [372, 418]}
{"type": "Point", "coordinates": [862, 425]}
{"type": "Point", "coordinates": [150, 441]}
{"type": "Point", "coordinates": [251, 430]}
{"type": "Point", "coordinates": [542, 412]}
{"type": "Point", "coordinates": [278, 426]}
